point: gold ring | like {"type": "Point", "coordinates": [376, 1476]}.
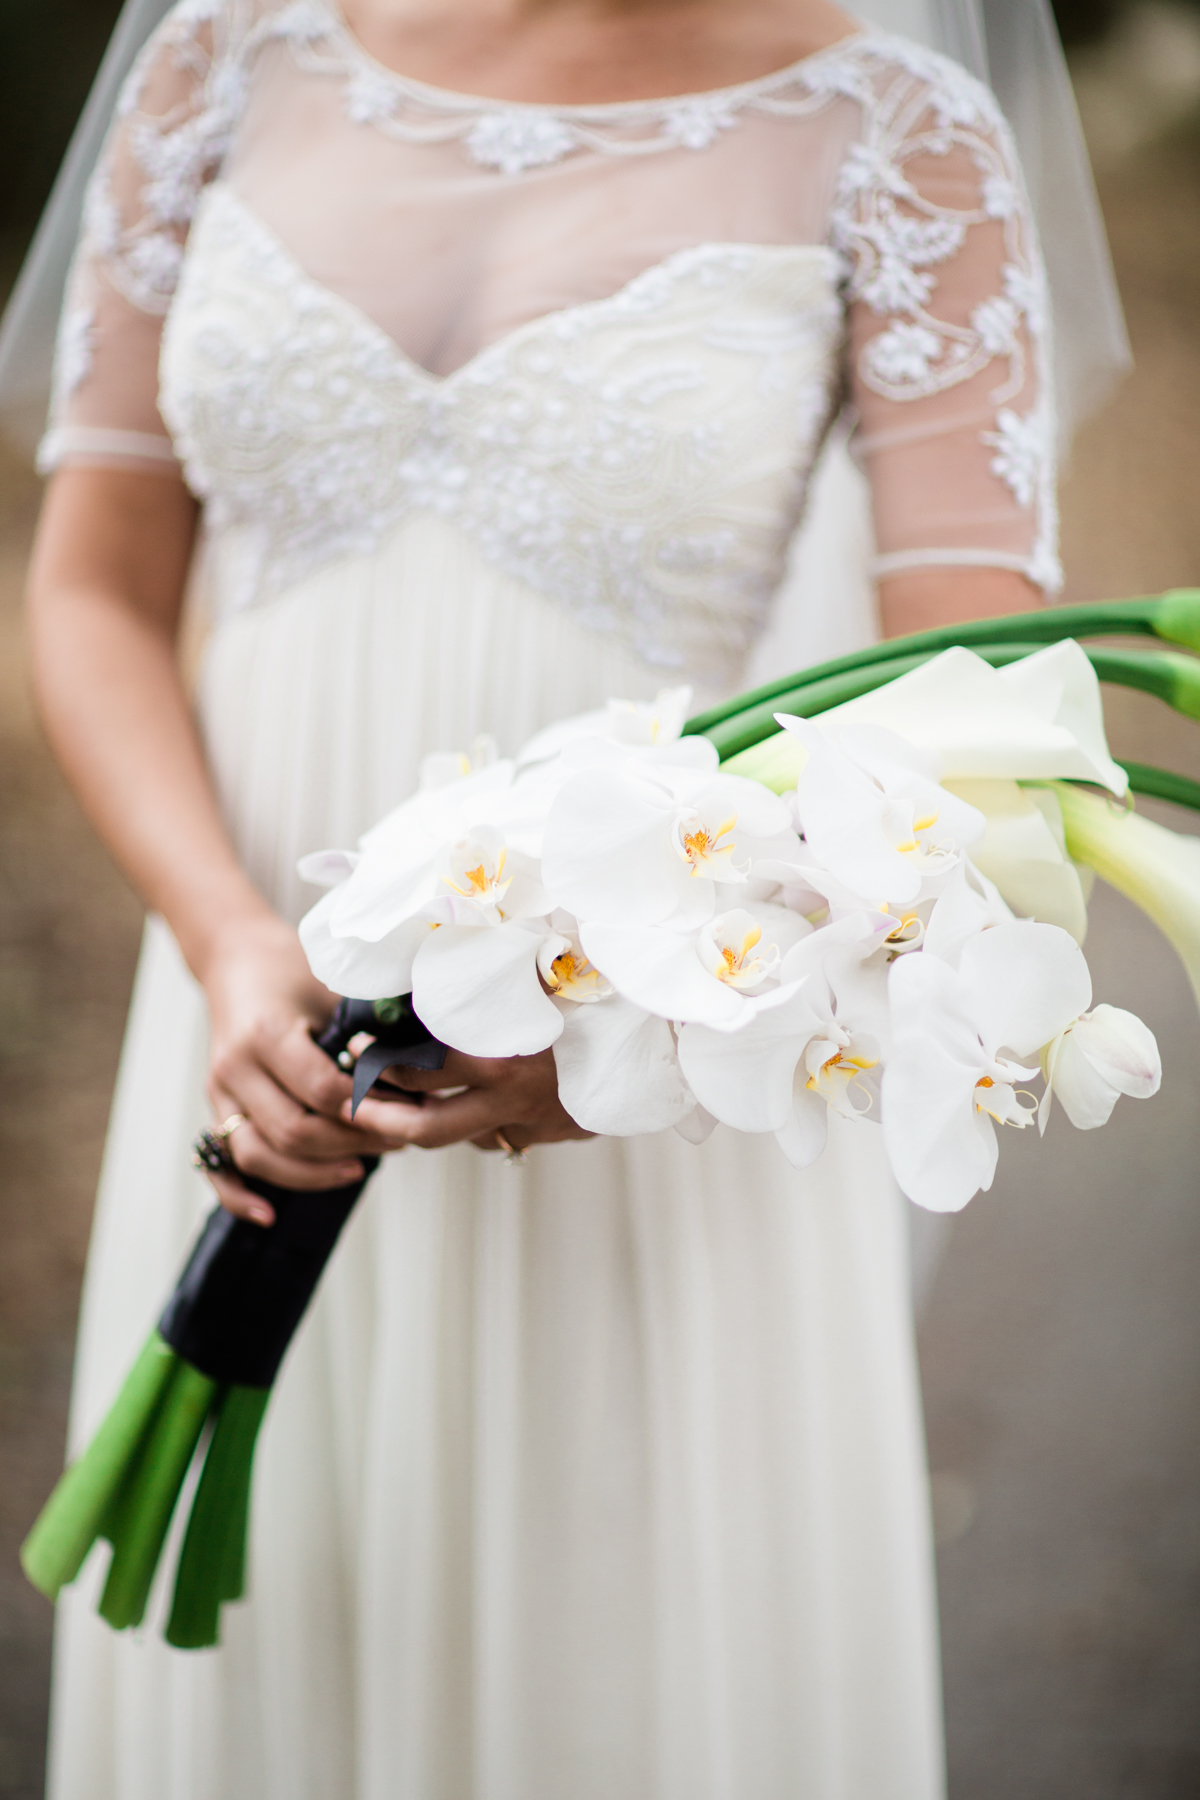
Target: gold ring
{"type": "Point", "coordinates": [225, 1132]}
{"type": "Point", "coordinates": [510, 1154]}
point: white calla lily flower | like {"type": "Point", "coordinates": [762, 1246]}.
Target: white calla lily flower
{"type": "Point", "coordinates": [1159, 870]}
{"type": "Point", "coordinates": [1106, 1053]}
{"type": "Point", "coordinates": [1037, 718]}
{"type": "Point", "coordinates": [1023, 852]}
{"type": "Point", "coordinates": [960, 1038]}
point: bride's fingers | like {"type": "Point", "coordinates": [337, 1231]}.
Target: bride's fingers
{"type": "Point", "coordinates": [253, 1155]}
{"type": "Point", "coordinates": [280, 1119]}
{"type": "Point", "coordinates": [239, 1201]}
{"type": "Point", "coordinates": [441, 1121]}
{"type": "Point", "coordinates": [304, 1070]}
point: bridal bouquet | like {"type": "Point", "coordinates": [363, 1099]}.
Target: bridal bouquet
{"type": "Point", "coordinates": [858, 890]}
{"type": "Point", "coordinates": [872, 912]}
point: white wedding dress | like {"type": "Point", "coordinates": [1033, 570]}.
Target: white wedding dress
{"type": "Point", "coordinates": [600, 1477]}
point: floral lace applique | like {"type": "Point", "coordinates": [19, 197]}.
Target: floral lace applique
{"type": "Point", "coordinates": [895, 238]}
{"type": "Point", "coordinates": [186, 97]}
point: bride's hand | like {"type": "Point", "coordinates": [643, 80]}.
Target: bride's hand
{"type": "Point", "coordinates": [264, 1004]}
{"type": "Point", "coordinates": [506, 1103]}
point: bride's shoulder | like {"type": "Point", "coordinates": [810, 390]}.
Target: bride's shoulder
{"type": "Point", "coordinates": [902, 73]}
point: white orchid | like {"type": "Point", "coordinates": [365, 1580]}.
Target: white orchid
{"type": "Point", "coordinates": [1104, 1054]}
{"type": "Point", "coordinates": [636, 724]}
{"type": "Point", "coordinates": [704, 975]}
{"type": "Point", "coordinates": [873, 812]}
{"type": "Point", "coordinates": [438, 902]}
{"type": "Point", "coordinates": [618, 1072]}
{"type": "Point", "coordinates": [649, 844]}
{"type": "Point", "coordinates": [797, 1050]}
{"type": "Point", "coordinates": [960, 1040]}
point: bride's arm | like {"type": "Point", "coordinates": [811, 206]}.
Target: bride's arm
{"type": "Point", "coordinates": [105, 594]}
{"type": "Point", "coordinates": [924, 599]}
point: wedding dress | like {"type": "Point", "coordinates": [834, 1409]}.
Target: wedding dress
{"type": "Point", "coordinates": [598, 1477]}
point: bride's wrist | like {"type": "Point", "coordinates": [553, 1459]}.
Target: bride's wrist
{"type": "Point", "coordinates": [235, 927]}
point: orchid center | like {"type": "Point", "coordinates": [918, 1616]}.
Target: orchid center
{"type": "Point", "coordinates": [837, 1068]}
{"type": "Point", "coordinates": [1004, 1103]}
{"type": "Point", "coordinates": [731, 948]}
{"type": "Point", "coordinates": [567, 972]}
{"type": "Point", "coordinates": [708, 846]}
{"type": "Point", "coordinates": [473, 868]}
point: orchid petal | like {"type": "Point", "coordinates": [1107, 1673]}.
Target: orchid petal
{"type": "Point", "coordinates": [941, 1147]}
{"type": "Point", "coordinates": [1107, 1053]}
{"type": "Point", "coordinates": [327, 868]}
{"type": "Point", "coordinates": [744, 1077]}
{"type": "Point", "coordinates": [1023, 983]}
{"type": "Point", "coordinates": [618, 1073]}
{"type": "Point", "coordinates": [697, 1126]}
{"type": "Point", "coordinates": [659, 970]}
{"type": "Point", "coordinates": [802, 1139]}
{"type": "Point", "coordinates": [356, 967]}
{"type": "Point", "coordinates": [607, 853]}
{"type": "Point", "coordinates": [477, 989]}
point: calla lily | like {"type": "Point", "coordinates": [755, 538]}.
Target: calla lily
{"type": "Point", "coordinates": [873, 815]}
{"type": "Point", "coordinates": [702, 976]}
{"type": "Point", "coordinates": [1036, 718]}
{"type": "Point", "coordinates": [1023, 852]}
{"type": "Point", "coordinates": [959, 1037]}
{"type": "Point", "coordinates": [648, 846]}
{"type": "Point", "coordinates": [618, 1072]}
{"type": "Point", "coordinates": [1157, 869]}
{"type": "Point", "coordinates": [1104, 1054]}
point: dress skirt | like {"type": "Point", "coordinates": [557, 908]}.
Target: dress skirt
{"type": "Point", "coordinates": [599, 1477]}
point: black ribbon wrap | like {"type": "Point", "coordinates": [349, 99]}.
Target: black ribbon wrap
{"type": "Point", "coordinates": [246, 1287]}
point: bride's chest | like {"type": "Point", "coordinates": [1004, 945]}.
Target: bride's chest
{"type": "Point", "coordinates": [683, 409]}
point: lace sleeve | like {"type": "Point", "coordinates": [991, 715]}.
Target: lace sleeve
{"type": "Point", "coordinates": [171, 131]}
{"type": "Point", "coordinates": [948, 329]}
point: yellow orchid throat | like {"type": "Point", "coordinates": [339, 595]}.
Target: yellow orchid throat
{"type": "Point", "coordinates": [569, 971]}
{"type": "Point", "coordinates": [702, 846]}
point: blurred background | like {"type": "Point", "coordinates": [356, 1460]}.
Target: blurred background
{"type": "Point", "coordinates": [1060, 1335]}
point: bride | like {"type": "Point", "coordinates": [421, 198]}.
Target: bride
{"type": "Point", "coordinates": [438, 368]}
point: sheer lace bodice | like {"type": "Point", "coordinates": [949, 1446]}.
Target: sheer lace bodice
{"type": "Point", "coordinates": [605, 340]}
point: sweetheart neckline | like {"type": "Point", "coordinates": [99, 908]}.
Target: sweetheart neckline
{"type": "Point", "coordinates": [428, 378]}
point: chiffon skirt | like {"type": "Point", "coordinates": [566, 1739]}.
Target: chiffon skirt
{"type": "Point", "coordinates": [599, 1477]}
